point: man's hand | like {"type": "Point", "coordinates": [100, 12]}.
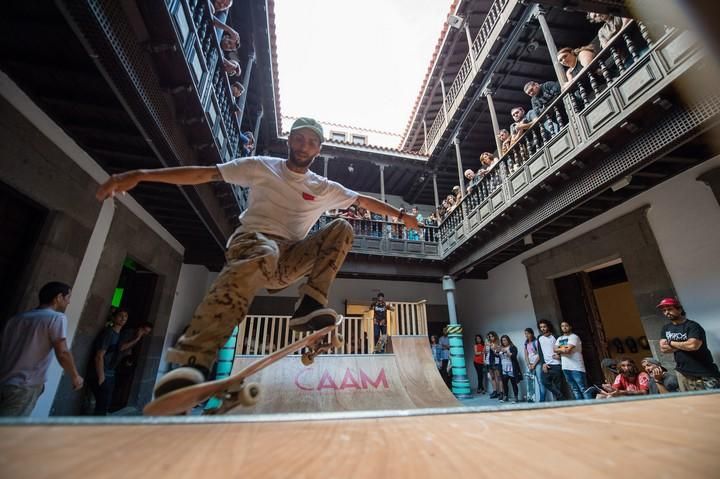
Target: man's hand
{"type": "Point", "coordinates": [101, 379]}
{"type": "Point", "coordinates": [657, 374]}
{"type": "Point", "coordinates": [119, 183]}
{"type": "Point", "coordinates": [665, 347]}
{"type": "Point", "coordinates": [140, 333]}
{"type": "Point", "coordinates": [546, 368]}
{"type": "Point", "coordinates": [233, 34]}
{"type": "Point", "coordinates": [78, 382]}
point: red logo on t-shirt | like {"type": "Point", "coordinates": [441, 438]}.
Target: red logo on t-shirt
{"type": "Point", "coordinates": [308, 196]}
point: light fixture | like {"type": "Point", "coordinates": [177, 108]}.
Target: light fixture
{"type": "Point", "coordinates": [351, 168]}
{"type": "Point", "coordinates": [621, 183]}
{"type": "Point", "coordinates": [455, 21]}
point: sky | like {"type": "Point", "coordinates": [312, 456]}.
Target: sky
{"type": "Point", "coordinates": [357, 63]}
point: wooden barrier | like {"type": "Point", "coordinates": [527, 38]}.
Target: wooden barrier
{"type": "Point", "coordinates": [260, 335]}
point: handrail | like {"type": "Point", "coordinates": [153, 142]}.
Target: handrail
{"type": "Point", "coordinates": [265, 334]}
{"type": "Point", "coordinates": [459, 82]}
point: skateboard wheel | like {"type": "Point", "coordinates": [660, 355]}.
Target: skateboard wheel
{"type": "Point", "coordinates": [306, 359]}
{"type": "Point", "coordinates": [249, 394]}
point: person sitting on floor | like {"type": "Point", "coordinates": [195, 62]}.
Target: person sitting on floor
{"type": "Point", "coordinates": [630, 382]}
{"type": "Point", "coordinates": [662, 381]}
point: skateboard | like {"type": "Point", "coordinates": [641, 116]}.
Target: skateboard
{"type": "Point", "coordinates": [234, 390]}
{"type": "Point", "coordinates": [381, 344]}
{"type": "Point", "coordinates": [531, 387]}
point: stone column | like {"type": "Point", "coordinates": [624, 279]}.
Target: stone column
{"type": "Point", "coordinates": [437, 198]}
{"type": "Point", "coordinates": [493, 118]}
{"type": "Point", "coordinates": [552, 48]}
{"type": "Point", "coordinates": [246, 84]}
{"type": "Point", "coordinates": [461, 177]}
{"type": "Point", "coordinates": [382, 183]}
{"type": "Point", "coordinates": [325, 166]}
{"type": "Point", "coordinates": [460, 381]}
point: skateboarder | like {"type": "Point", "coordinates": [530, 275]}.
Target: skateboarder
{"type": "Point", "coordinates": [380, 308]}
{"type": "Point", "coordinates": [270, 249]}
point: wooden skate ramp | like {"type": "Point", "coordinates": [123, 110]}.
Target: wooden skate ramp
{"type": "Point", "coordinates": [405, 379]}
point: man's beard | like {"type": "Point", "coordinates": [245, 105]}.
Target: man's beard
{"type": "Point", "coordinates": [295, 161]}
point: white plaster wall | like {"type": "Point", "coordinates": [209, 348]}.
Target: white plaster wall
{"type": "Point", "coordinates": [191, 287]}
{"type": "Point", "coordinates": [685, 218]}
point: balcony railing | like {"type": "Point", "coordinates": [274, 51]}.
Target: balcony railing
{"type": "Point", "coordinates": [494, 21]}
{"type": "Point", "coordinates": [261, 335]}
{"type": "Point", "coordinates": [197, 36]}
{"type": "Point", "coordinates": [388, 237]}
{"type": "Point", "coordinates": [626, 74]}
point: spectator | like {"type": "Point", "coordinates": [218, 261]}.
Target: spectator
{"type": "Point", "coordinates": [686, 339]}
{"type": "Point", "coordinates": [510, 367]}
{"type": "Point", "coordinates": [504, 137]}
{"type": "Point", "coordinates": [436, 352]}
{"type": "Point", "coordinates": [415, 234]}
{"type": "Point", "coordinates": [522, 123]}
{"type": "Point", "coordinates": [611, 26]}
{"type": "Point", "coordinates": [479, 362]}
{"type": "Point", "coordinates": [662, 381]}
{"type": "Point", "coordinates": [231, 67]}
{"type": "Point", "coordinates": [248, 143]}
{"type": "Point", "coordinates": [458, 194]}
{"type": "Point", "coordinates": [445, 357]}
{"type": "Point", "coordinates": [552, 377]}
{"type": "Point", "coordinates": [432, 220]}
{"type": "Point", "coordinates": [575, 60]}
{"type": "Point", "coordinates": [630, 382]}
{"type": "Point", "coordinates": [380, 308]}
{"type": "Point", "coordinates": [130, 337]}
{"type": "Point", "coordinates": [540, 97]}
{"type": "Point", "coordinates": [532, 359]}
{"type": "Point", "coordinates": [471, 177]}
{"type": "Point", "coordinates": [229, 43]}
{"type": "Point", "coordinates": [569, 347]}
{"type": "Point", "coordinates": [488, 161]}
{"type": "Point", "coordinates": [25, 351]}
{"type": "Point", "coordinates": [219, 10]}
{"type": "Point", "coordinates": [494, 365]}
{"type": "Point", "coordinates": [105, 358]}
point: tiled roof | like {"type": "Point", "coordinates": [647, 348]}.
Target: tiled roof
{"type": "Point", "coordinates": [273, 54]}
{"type": "Point", "coordinates": [438, 47]}
{"type": "Point", "coordinates": [349, 127]}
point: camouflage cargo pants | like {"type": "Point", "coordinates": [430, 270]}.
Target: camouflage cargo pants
{"type": "Point", "coordinates": [256, 261]}
{"type": "Point", "coordinates": [696, 383]}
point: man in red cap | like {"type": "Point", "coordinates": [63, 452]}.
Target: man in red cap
{"type": "Point", "coordinates": [270, 249]}
{"type": "Point", "coordinates": [686, 340]}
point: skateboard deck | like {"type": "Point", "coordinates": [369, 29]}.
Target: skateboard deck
{"type": "Point", "coordinates": [233, 390]}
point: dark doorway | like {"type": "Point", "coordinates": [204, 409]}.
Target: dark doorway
{"type": "Point", "coordinates": [600, 305]}
{"type": "Point", "coordinates": [134, 292]}
{"type": "Point", "coordinates": [21, 221]}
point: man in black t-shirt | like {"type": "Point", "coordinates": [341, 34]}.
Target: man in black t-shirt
{"type": "Point", "coordinates": [380, 309]}
{"type": "Point", "coordinates": [686, 340]}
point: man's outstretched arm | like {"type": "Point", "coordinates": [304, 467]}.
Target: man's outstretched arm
{"type": "Point", "coordinates": [182, 175]}
{"type": "Point", "coordinates": [377, 206]}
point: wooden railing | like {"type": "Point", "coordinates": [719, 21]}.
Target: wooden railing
{"type": "Point", "coordinates": [261, 335]}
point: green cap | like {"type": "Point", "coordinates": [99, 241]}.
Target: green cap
{"type": "Point", "coordinates": [305, 122]}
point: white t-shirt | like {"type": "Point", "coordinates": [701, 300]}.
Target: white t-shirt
{"type": "Point", "coordinates": [281, 202]}
{"type": "Point", "coordinates": [573, 361]}
{"type": "Point", "coordinates": [547, 343]}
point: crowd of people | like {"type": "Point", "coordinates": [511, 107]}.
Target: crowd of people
{"type": "Point", "coordinates": [542, 94]}
{"type": "Point", "coordinates": [366, 223]}
{"type": "Point", "coordinates": [229, 40]}
{"type": "Point", "coordinates": [555, 368]}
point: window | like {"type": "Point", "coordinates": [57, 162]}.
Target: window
{"type": "Point", "coordinates": [359, 140]}
{"type": "Point", "coordinates": [337, 136]}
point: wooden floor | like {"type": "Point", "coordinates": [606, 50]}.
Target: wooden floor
{"type": "Point", "coordinates": [662, 438]}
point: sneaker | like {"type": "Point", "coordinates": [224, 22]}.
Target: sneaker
{"type": "Point", "coordinates": [179, 378]}
{"type": "Point", "coordinates": [311, 316]}
{"type": "Point", "coordinates": [514, 401]}
{"type": "Point", "coordinates": [502, 398]}
{"type": "Point", "coordinates": [493, 395]}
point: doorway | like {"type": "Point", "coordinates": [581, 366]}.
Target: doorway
{"type": "Point", "coordinates": [21, 221]}
{"type": "Point", "coordinates": [600, 306]}
{"type": "Point", "coordinates": [134, 292]}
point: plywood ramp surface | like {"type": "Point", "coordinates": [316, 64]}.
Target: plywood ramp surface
{"type": "Point", "coordinates": [673, 437]}
{"type": "Point", "coordinates": [406, 379]}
